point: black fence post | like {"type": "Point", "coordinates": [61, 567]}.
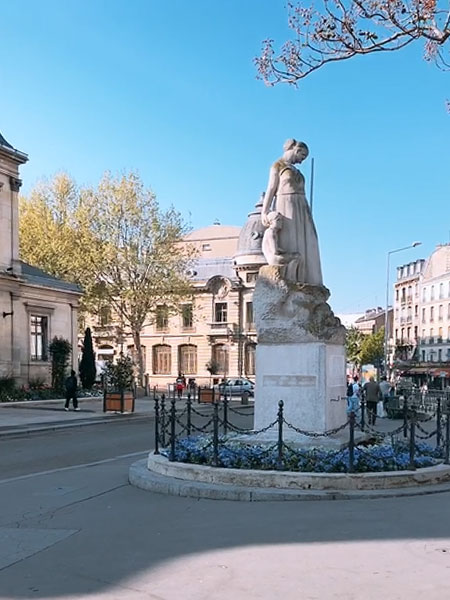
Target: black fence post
{"type": "Point", "coordinates": [351, 444]}
{"type": "Point", "coordinates": [216, 434]}
{"type": "Point", "coordinates": [163, 420]}
{"type": "Point", "coordinates": [225, 415]}
{"type": "Point", "coordinates": [438, 423]}
{"type": "Point", "coordinates": [363, 415]}
{"type": "Point", "coordinates": [405, 417]}
{"type": "Point", "coordinates": [447, 437]}
{"type": "Point", "coordinates": [280, 435]}
{"type": "Point", "coordinates": [156, 425]}
{"type": "Point", "coordinates": [172, 429]}
{"type": "Point", "coordinates": [412, 440]}
{"type": "Point", "coordinates": [188, 414]}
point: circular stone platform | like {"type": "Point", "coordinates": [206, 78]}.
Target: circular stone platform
{"type": "Point", "coordinates": [157, 474]}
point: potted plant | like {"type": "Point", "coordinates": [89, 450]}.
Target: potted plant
{"type": "Point", "coordinates": [119, 378]}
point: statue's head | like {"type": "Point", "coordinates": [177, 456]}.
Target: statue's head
{"type": "Point", "coordinates": [295, 151]}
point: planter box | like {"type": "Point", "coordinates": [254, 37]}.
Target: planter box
{"type": "Point", "coordinates": [118, 402]}
{"type": "Point", "coordinates": [206, 395]}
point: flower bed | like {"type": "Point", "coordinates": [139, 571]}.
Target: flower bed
{"type": "Point", "coordinates": [239, 455]}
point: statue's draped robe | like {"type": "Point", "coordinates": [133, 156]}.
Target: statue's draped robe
{"type": "Point", "coordinates": [298, 234]}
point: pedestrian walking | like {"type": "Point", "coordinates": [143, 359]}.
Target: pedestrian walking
{"type": "Point", "coordinates": [353, 395]}
{"type": "Point", "coordinates": [179, 385]}
{"type": "Point", "coordinates": [71, 385]}
{"type": "Point", "coordinates": [372, 395]}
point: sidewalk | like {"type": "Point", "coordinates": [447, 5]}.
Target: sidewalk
{"type": "Point", "coordinates": [18, 418]}
{"type": "Point", "coordinates": [27, 417]}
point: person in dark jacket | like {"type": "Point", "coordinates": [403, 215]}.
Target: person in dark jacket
{"type": "Point", "coordinates": [71, 386]}
{"type": "Point", "coordinates": [372, 395]}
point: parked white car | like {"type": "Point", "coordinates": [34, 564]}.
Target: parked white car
{"type": "Point", "coordinates": [235, 387]}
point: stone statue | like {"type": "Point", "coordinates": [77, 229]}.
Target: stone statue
{"type": "Point", "coordinates": [297, 246]}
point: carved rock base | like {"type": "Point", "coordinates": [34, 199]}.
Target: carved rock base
{"type": "Point", "coordinates": [300, 356]}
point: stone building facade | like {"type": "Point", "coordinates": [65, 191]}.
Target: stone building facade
{"type": "Point", "coordinates": [34, 307]}
{"type": "Point", "coordinates": [422, 315]}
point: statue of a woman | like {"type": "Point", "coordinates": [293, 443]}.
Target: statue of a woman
{"type": "Point", "coordinates": [297, 237]}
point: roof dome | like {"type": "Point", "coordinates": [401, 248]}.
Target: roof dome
{"type": "Point", "coordinates": [249, 251]}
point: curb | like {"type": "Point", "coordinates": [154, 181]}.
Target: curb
{"type": "Point", "coordinates": [142, 478]}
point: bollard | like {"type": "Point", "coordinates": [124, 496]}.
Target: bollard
{"type": "Point", "coordinates": [447, 438]}
{"type": "Point", "coordinates": [405, 417]}
{"type": "Point", "coordinates": [351, 444]}
{"type": "Point", "coordinates": [188, 414]}
{"type": "Point", "coordinates": [412, 440]}
{"type": "Point", "coordinates": [216, 434]}
{"type": "Point", "coordinates": [172, 429]}
{"type": "Point", "coordinates": [156, 426]}
{"type": "Point", "coordinates": [438, 423]}
{"type": "Point", "coordinates": [163, 420]}
{"type": "Point", "coordinates": [280, 436]}
{"type": "Point", "coordinates": [225, 415]}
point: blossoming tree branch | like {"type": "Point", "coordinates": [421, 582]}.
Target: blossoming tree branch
{"type": "Point", "coordinates": [335, 30]}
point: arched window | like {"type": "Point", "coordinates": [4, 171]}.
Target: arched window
{"type": "Point", "coordinates": [162, 363]}
{"type": "Point", "coordinates": [105, 352]}
{"type": "Point", "coordinates": [187, 359]}
{"type": "Point", "coordinates": [250, 350]}
{"type": "Point", "coordinates": [220, 355]}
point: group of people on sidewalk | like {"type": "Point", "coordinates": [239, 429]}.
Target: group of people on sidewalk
{"type": "Point", "coordinates": [374, 394]}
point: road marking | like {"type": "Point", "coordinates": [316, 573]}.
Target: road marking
{"type": "Point", "coordinates": [72, 467]}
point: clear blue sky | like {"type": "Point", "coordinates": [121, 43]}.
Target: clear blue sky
{"type": "Point", "coordinates": [169, 89]}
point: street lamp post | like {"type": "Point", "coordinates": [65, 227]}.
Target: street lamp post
{"type": "Point", "coordinates": [386, 320]}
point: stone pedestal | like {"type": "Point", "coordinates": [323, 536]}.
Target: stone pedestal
{"type": "Point", "coordinates": [300, 356]}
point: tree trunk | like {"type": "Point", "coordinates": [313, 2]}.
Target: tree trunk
{"type": "Point", "coordinates": [140, 358]}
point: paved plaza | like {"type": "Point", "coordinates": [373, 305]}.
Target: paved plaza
{"type": "Point", "coordinates": [71, 526]}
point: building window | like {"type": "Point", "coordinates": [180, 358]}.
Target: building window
{"type": "Point", "coordinates": [162, 362]}
{"type": "Point", "coordinates": [423, 355]}
{"type": "Point", "coordinates": [439, 355]}
{"type": "Point", "coordinates": [416, 310]}
{"type": "Point", "coordinates": [432, 293]}
{"type": "Point", "coordinates": [187, 359]}
{"type": "Point", "coordinates": [220, 356]}
{"type": "Point", "coordinates": [104, 316]}
{"type": "Point", "coordinates": [249, 315]}
{"type": "Point", "coordinates": [448, 311]}
{"type": "Point", "coordinates": [38, 337]}
{"type": "Point", "coordinates": [423, 315]}
{"type": "Point", "coordinates": [206, 247]}
{"type": "Point", "coordinates": [187, 315]}
{"type": "Point", "coordinates": [441, 290]}
{"type": "Point", "coordinates": [220, 312]}
{"type": "Point", "coordinates": [162, 317]}
{"type": "Point", "coordinates": [250, 350]}
{"type": "Point", "coordinates": [424, 295]}
{"type": "Point", "coordinates": [431, 336]}
{"type": "Point", "coordinates": [432, 314]}
{"type": "Point", "coordinates": [251, 277]}
{"type": "Point", "coordinates": [440, 312]}
{"type": "Point", "coordinates": [408, 334]}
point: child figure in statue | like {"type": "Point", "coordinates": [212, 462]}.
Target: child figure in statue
{"type": "Point", "coordinates": [292, 263]}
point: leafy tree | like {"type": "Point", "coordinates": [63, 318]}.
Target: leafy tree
{"type": "Point", "coordinates": [335, 30]}
{"type": "Point", "coordinates": [353, 343]}
{"type": "Point", "coordinates": [372, 348]}
{"type": "Point", "coordinates": [139, 264]}
{"type": "Point", "coordinates": [87, 364]}
{"type": "Point", "coordinates": [55, 234]}
{"type": "Point", "coordinates": [60, 350]}
{"type": "Point", "coordinates": [115, 241]}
